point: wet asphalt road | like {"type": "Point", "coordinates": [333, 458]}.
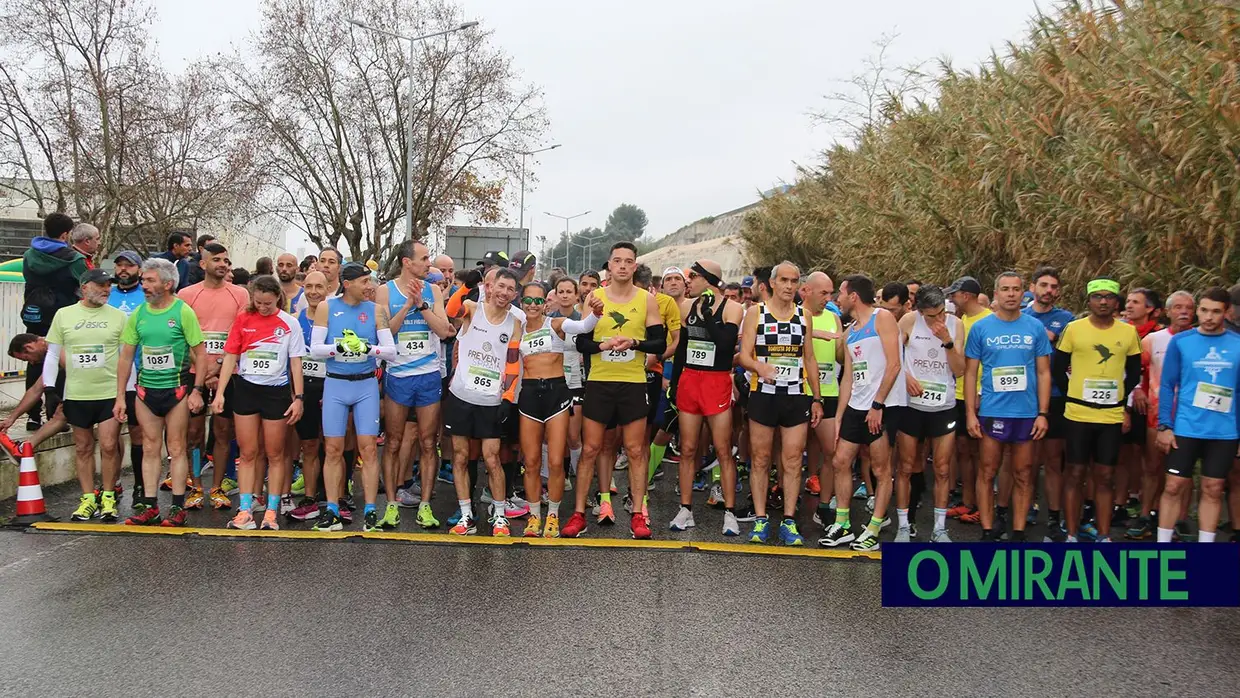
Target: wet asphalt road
{"type": "Point", "coordinates": [151, 616]}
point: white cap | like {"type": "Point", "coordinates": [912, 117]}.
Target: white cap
{"type": "Point", "coordinates": [673, 270]}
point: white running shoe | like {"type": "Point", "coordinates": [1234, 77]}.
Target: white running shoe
{"type": "Point", "coordinates": [683, 520]}
{"type": "Point", "coordinates": [730, 525]}
{"type": "Point", "coordinates": [903, 535]}
{"type": "Point", "coordinates": [940, 537]}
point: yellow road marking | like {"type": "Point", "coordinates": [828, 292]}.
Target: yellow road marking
{"type": "Point", "coordinates": [445, 539]}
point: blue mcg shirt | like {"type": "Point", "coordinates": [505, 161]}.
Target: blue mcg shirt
{"type": "Point", "coordinates": [1201, 371]}
{"type": "Point", "coordinates": [1054, 320]}
{"type": "Point", "coordinates": [1001, 345]}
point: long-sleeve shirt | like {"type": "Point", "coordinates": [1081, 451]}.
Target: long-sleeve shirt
{"type": "Point", "coordinates": [1200, 379]}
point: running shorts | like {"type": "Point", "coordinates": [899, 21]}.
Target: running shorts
{"type": "Point", "coordinates": [544, 398]}
{"type": "Point", "coordinates": [1087, 442]}
{"type": "Point", "coordinates": [310, 426]}
{"type": "Point", "coordinates": [131, 414]}
{"type": "Point", "coordinates": [829, 406]}
{"type": "Point", "coordinates": [854, 430]}
{"type": "Point", "coordinates": [654, 395]}
{"type": "Point", "coordinates": [161, 401]}
{"type": "Point", "coordinates": [614, 404]}
{"type": "Point", "coordinates": [413, 391]}
{"type": "Point", "coordinates": [1135, 435]}
{"type": "Point", "coordinates": [705, 393]}
{"type": "Point", "coordinates": [927, 425]}
{"type": "Point", "coordinates": [85, 414]}
{"type": "Point", "coordinates": [779, 410]}
{"type": "Point", "coordinates": [1055, 422]}
{"type": "Point", "coordinates": [1216, 457]}
{"type": "Point", "coordinates": [339, 395]}
{"type": "Point", "coordinates": [269, 402]}
{"type": "Point", "coordinates": [471, 421]}
{"type": "Point", "coordinates": [208, 397]}
{"type": "Point", "coordinates": [962, 420]}
{"type": "Point", "coordinates": [1007, 430]}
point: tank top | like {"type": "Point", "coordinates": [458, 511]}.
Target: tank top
{"type": "Point", "coordinates": [360, 319]}
{"type": "Point", "coordinates": [572, 357]}
{"type": "Point", "coordinates": [824, 354]}
{"type": "Point", "coordinates": [620, 320]}
{"type": "Point", "coordinates": [926, 360]}
{"type": "Point", "coordinates": [310, 366]}
{"type": "Point", "coordinates": [417, 347]}
{"type": "Point", "coordinates": [481, 352]}
{"type": "Point", "coordinates": [869, 363]}
{"type": "Point", "coordinates": [543, 340]}
{"type": "Point", "coordinates": [780, 343]}
{"type": "Point", "coordinates": [696, 349]}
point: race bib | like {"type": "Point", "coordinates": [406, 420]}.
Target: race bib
{"type": "Point", "coordinates": [481, 380]}
{"type": "Point", "coordinates": [701, 353]}
{"type": "Point", "coordinates": [258, 362]}
{"type": "Point", "coordinates": [1008, 379]}
{"type": "Point", "coordinates": [157, 359]}
{"type": "Point", "coordinates": [1215, 398]}
{"type": "Point", "coordinates": [86, 356]}
{"type": "Point", "coordinates": [932, 395]}
{"type": "Point", "coordinates": [826, 375]}
{"type": "Point", "coordinates": [619, 357]}
{"type": "Point", "coordinates": [572, 370]}
{"type": "Point", "coordinates": [787, 368]}
{"type": "Point", "coordinates": [214, 341]}
{"type": "Point", "coordinates": [1100, 391]}
{"type": "Point", "coordinates": [349, 357]}
{"type": "Point", "coordinates": [416, 343]}
{"type": "Point", "coordinates": [313, 368]}
{"type": "Point", "coordinates": [537, 341]}
{"type": "Point", "coordinates": [861, 374]}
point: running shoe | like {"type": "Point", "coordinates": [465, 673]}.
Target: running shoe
{"type": "Point", "coordinates": [1031, 519]}
{"type": "Point", "coordinates": [1087, 532]}
{"type": "Point", "coordinates": [391, 516]}
{"type": "Point", "coordinates": [138, 494]}
{"type": "Point", "coordinates": [746, 513]}
{"type": "Point", "coordinates": [243, 521]}
{"type": "Point", "coordinates": [789, 535]}
{"type": "Point", "coordinates": [533, 528]}
{"type": "Point", "coordinates": [166, 484]}
{"type": "Point", "coordinates": [552, 529]}
{"type": "Point", "coordinates": [176, 517]}
{"type": "Point", "coordinates": [912, 530]}
{"type": "Point", "coordinates": [466, 526]}
{"type": "Point", "coordinates": [989, 536]}
{"type": "Point", "coordinates": [370, 521]}
{"type": "Point", "coordinates": [1056, 533]}
{"type": "Point", "coordinates": [229, 486]}
{"type": "Point", "coordinates": [699, 482]}
{"type": "Point", "coordinates": [194, 498]}
{"type": "Point", "coordinates": [683, 520]}
{"type": "Point", "coordinates": [149, 516]}
{"type": "Point", "coordinates": [761, 530]}
{"type": "Point", "coordinates": [1119, 516]}
{"type": "Point", "coordinates": [715, 498]}
{"type": "Point", "coordinates": [328, 521]}
{"type": "Point", "coordinates": [973, 516]}
{"type": "Point", "coordinates": [1142, 529]}
{"type": "Point", "coordinates": [622, 462]}
{"type": "Point", "coordinates": [1133, 508]}
{"type": "Point", "coordinates": [869, 504]}
{"type": "Point", "coordinates": [346, 511]}
{"type": "Point", "coordinates": [486, 496]}
{"type": "Point", "coordinates": [306, 510]}
{"type": "Point", "coordinates": [606, 516]}
{"type": "Point", "coordinates": [88, 507]}
{"type": "Point", "coordinates": [639, 527]}
{"type": "Point", "coordinates": [835, 536]}
{"type": "Point", "coordinates": [286, 504]}
{"type": "Point", "coordinates": [731, 527]}
{"type": "Point", "coordinates": [260, 503]}
{"type": "Point", "coordinates": [219, 500]}
{"type": "Point", "coordinates": [454, 517]}
{"type": "Point", "coordinates": [13, 448]}
{"type": "Point", "coordinates": [299, 485]}
{"type": "Point", "coordinates": [958, 511]}
{"type": "Point", "coordinates": [627, 503]}
{"type": "Point", "coordinates": [812, 485]}
{"type": "Point", "coordinates": [940, 536]}
{"type": "Point", "coordinates": [516, 507]}
{"type": "Point", "coordinates": [1001, 525]}
{"type": "Point", "coordinates": [576, 525]}
{"type": "Point", "coordinates": [426, 518]}
{"type": "Point", "coordinates": [107, 507]}
{"type": "Point", "coordinates": [866, 542]}
{"type": "Point", "coordinates": [1183, 532]}
{"type": "Point", "coordinates": [903, 535]}
{"type": "Point", "coordinates": [861, 492]}
{"type": "Point", "coordinates": [1104, 539]}
{"type": "Point", "coordinates": [409, 498]}
{"type": "Point", "coordinates": [1017, 536]}
{"type": "Point", "coordinates": [445, 474]}
{"type": "Point", "coordinates": [270, 522]}
{"type": "Point", "coordinates": [499, 528]}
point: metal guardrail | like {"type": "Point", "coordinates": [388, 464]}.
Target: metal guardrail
{"type": "Point", "coordinates": [11, 296]}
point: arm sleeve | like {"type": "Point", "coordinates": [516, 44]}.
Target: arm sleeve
{"type": "Point", "coordinates": [1167, 383]}
{"type": "Point", "coordinates": [456, 304]}
{"type": "Point", "coordinates": [51, 365]}
{"type": "Point", "coordinates": [387, 346]}
{"type": "Point", "coordinates": [1059, 370]}
{"type": "Point", "coordinates": [655, 341]}
{"type": "Point", "coordinates": [586, 345]}
{"type": "Point", "coordinates": [512, 366]}
{"type": "Point", "coordinates": [319, 348]}
{"type": "Point", "coordinates": [723, 334]}
{"type": "Point", "coordinates": [1132, 374]}
{"type": "Point", "coordinates": [578, 327]}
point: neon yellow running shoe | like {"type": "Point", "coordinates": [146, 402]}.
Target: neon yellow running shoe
{"type": "Point", "coordinates": [87, 507]}
{"type": "Point", "coordinates": [299, 485]}
{"type": "Point", "coordinates": [391, 516]}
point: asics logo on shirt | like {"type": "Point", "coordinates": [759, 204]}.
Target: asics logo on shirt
{"type": "Point", "coordinates": [91, 325]}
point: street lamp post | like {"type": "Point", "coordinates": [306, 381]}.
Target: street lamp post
{"type": "Point", "coordinates": [588, 247]}
{"type": "Point", "coordinates": [524, 154]}
{"type": "Point", "coordinates": [409, 130]}
{"type": "Point", "coordinates": [566, 219]}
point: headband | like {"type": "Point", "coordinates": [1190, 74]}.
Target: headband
{"type": "Point", "coordinates": [710, 277]}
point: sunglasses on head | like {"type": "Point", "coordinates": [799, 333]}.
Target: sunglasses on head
{"type": "Point", "coordinates": [530, 300]}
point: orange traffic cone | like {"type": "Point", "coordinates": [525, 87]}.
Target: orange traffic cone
{"type": "Point", "coordinates": [30, 505]}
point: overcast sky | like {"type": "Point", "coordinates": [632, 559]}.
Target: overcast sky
{"type": "Point", "coordinates": [686, 108]}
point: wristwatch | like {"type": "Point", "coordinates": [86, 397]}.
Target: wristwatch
{"type": "Point", "coordinates": [300, 396]}
{"type": "Point", "coordinates": [876, 405]}
{"type": "Point", "coordinates": [1163, 427]}
{"type": "Point", "coordinates": [1044, 415]}
{"type": "Point", "coordinates": [424, 307]}
{"type": "Point", "coordinates": [949, 346]}
{"type": "Point", "coordinates": [200, 388]}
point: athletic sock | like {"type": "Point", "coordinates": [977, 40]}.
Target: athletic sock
{"type": "Point", "coordinates": [553, 508]}
{"type": "Point", "coordinates": [730, 510]}
{"type": "Point", "coordinates": [536, 510]}
{"type": "Point", "coordinates": [605, 497]}
{"type": "Point", "coordinates": [151, 502]}
{"type": "Point", "coordinates": [247, 502]}
{"type": "Point", "coordinates": [940, 519]}
{"type": "Point", "coordinates": [273, 502]}
{"type": "Point", "coordinates": [1164, 534]}
{"type": "Point", "coordinates": [875, 525]}
{"type": "Point", "coordinates": [467, 509]}
{"type": "Point", "coordinates": [135, 460]}
{"type": "Point", "coordinates": [365, 510]}
{"type": "Point", "coordinates": [195, 461]}
{"type": "Point", "coordinates": [687, 507]}
{"type": "Point", "coordinates": [902, 517]}
{"type": "Point", "coordinates": [842, 518]}
{"type": "Point", "coordinates": [334, 508]}
{"type": "Point", "coordinates": [1206, 536]}
{"type": "Point", "coordinates": [178, 500]}
{"type": "Point", "coordinates": [656, 458]}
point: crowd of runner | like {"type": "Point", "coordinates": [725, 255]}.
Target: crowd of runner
{"type": "Point", "coordinates": [542, 389]}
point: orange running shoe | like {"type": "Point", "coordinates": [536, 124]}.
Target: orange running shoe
{"type": "Point", "coordinates": [812, 485]}
{"type": "Point", "coordinates": [533, 527]}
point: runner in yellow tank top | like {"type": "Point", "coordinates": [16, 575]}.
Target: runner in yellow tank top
{"type": "Point", "coordinates": [625, 319]}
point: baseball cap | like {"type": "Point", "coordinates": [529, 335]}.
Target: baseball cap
{"type": "Point", "coordinates": [967, 284]}
{"type": "Point", "coordinates": [523, 261]}
{"type": "Point", "coordinates": [352, 271]}
{"type": "Point", "coordinates": [747, 282]}
{"type": "Point", "coordinates": [494, 258]}
{"type": "Point", "coordinates": [95, 276]}
{"type": "Point", "coordinates": [129, 256]}
{"type": "Point", "coordinates": [1102, 286]}
{"type": "Point", "coordinates": [434, 276]}
{"type": "Point", "coordinates": [673, 271]}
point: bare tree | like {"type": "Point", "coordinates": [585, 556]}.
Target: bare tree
{"type": "Point", "coordinates": [876, 95]}
{"type": "Point", "coordinates": [325, 104]}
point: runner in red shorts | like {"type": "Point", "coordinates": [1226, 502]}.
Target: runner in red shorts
{"type": "Point", "coordinates": [702, 386]}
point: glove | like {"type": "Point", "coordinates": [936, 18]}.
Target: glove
{"type": "Point", "coordinates": [507, 411]}
{"type": "Point", "coordinates": [707, 300]}
{"type": "Point", "coordinates": [470, 277]}
{"type": "Point", "coordinates": [351, 343]}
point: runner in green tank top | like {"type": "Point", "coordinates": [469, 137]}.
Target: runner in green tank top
{"type": "Point", "coordinates": [825, 328]}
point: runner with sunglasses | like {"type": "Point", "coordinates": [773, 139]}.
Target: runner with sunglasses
{"type": "Point", "coordinates": [544, 402]}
